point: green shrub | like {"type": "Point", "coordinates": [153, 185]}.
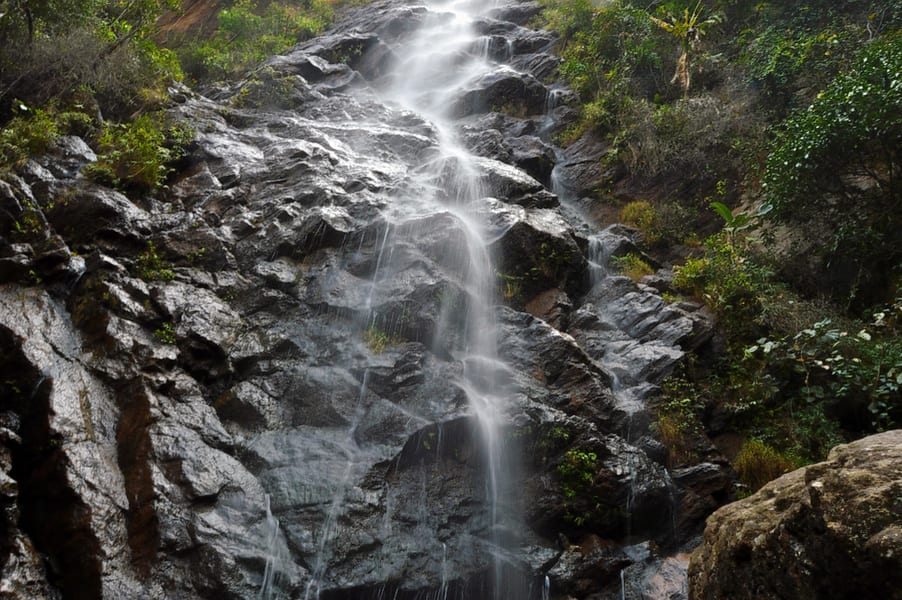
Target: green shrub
{"type": "Point", "coordinates": [249, 32]}
{"type": "Point", "coordinates": [378, 340]}
{"type": "Point", "coordinates": [577, 472]}
{"type": "Point", "coordinates": [632, 265]}
{"type": "Point", "coordinates": [29, 133]}
{"type": "Point", "coordinates": [728, 280]}
{"type": "Point", "coordinates": [856, 376]}
{"type": "Point", "coordinates": [643, 216]}
{"type": "Point", "coordinates": [150, 265]}
{"type": "Point", "coordinates": [757, 463]}
{"type": "Point", "coordinates": [612, 55]}
{"type": "Point", "coordinates": [834, 167]}
{"type": "Point", "coordinates": [138, 155]}
{"type": "Point", "coordinates": [679, 423]}
{"type": "Point", "coordinates": [165, 333]}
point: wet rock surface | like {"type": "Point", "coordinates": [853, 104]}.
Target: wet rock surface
{"type": "Point", "coordinates": [829, 530]}
{"type": "Point", "coordinates": [260, 369]}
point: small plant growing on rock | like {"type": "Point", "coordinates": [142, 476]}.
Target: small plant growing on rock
{"type": "Point", "coordinates": [757, 463]}
{"type": "Point", "coordinates": [151, 267]}
{"type": "Point", "coordinates": [643, 216]}
{"type": "Point", "coordinates": [378, 341]}
{"type": "Point", "coordinates": [29, 133]}
{"type": "Point", "coordinates": [577, 471]}
{"type": "Point", "coordinates": [165, 333]}
{"type": "Point", "coordinates": [138, 155]}
{"type": "Point", "coordinates": [679, 419]}
{"type": "Point", "coordinates": [267, 89]}
{"type": "Point", "coordinates": [511, 287]}
{"type": "Point", "coordinates": [633, 266]}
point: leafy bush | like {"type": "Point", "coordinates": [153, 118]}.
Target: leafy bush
{"type": "Point", "coordinates": [150, 266]}
{"type": "Point", "coordinates": [729, 282]}
{"type": "Point", "coordinates": [838, 163]}
{"type": "Point", "coordinates": [758, 463]}
{"type": "Point", "coordinates": [52, 48]}
{"type": "Point", "coordinates": [632, 265]}
{"type": "Point", "coordinates": [612, 54]}
{"type": "Point", "coordinates": [680, 412]}
{"type": "Point", "coordinates": [643, 216]}
{"type": "Point", "coordinates": [29, 133]}
{"type": "Point", "coordinates": [854, 127]}
{"type": "Point", "coordinates": [249, 32]}
{"type": "Point", "coordinates": [138, 155]}
{"type": "Point", "coordinates": [856, 377]}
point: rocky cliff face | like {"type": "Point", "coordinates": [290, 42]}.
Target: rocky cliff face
{"type": "Point", "coordinates": [251, 382]}
{"type": "Point", "coordinates": [830, 530]}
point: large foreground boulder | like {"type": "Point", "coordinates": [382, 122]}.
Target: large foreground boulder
{"type": "Point", "coordinates": [830, 530]}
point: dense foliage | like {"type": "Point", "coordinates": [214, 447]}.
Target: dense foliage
{"type": "Point", "coordinates": [837, 165]}
{"type": "Point", "coordinates": [794, 108]}
{"type": "Point", "coordinates": [100, 69]}
{"type": "Point", "coordinates": [248, 32]}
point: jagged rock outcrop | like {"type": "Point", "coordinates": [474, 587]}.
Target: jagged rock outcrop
{"type": "Point", "coordinates": [266, 368]}
{"type": "Point", "coordinates": [829, 530]}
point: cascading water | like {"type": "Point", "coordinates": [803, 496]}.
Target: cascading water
{"type": "Point", "coordinates": [441, 62]}
{"type": "Point", "coordinates": [441, 58]}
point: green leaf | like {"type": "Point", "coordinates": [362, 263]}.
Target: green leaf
{"type": "Point", "coordinates": [724, 211]}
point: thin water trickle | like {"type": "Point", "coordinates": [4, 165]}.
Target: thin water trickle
{"type": "Point", "coordinates": [599, 256]}
{"type": "Point", "coordinates": [276, 556]}
{"type": "Point", "coordinates": [330, 528]}
{"type": "Point", "coordinates": [327, 535]}
{"type": "Point", "coordinates": [443, 589]}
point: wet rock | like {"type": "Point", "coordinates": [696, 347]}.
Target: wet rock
{"type": "Point", "coordinates": [67, 156]}
{"type": "Point", "coordinates": [582, 568]}
{"type": "Point", "coordinates": [502, 90]}
{"type": "Point", "coordinates": [642, 335]}
{"type": "Point", "coordinates": [513, 185]}
{"type": "Point", "coordinates": [68, 476]}
{"type": "Point", "coordinates": [294, 391]}
{"type": "Point", "coordinates": [581, 387]}
{"type": "Point", "coordinates": [541, 65]}
{"type": "Point", "coordinates": [703, 488]}
{"type": "Point", "coordinates": [827, 530]}
{"type": "Point", "coordinates": [552, 306]}
{"type": "Point", "coordinates": [516, 12]}
{"type": "Point", "coordinates": [533, 156]}
{"type": "Point", "coordinates": [202, 325]}
{"type": "Point", "coordinates": [537, 250]}
{"type": "Point", "coordinates": [95, 217]}
{"type": "Point", "coordinates": [583, 165]}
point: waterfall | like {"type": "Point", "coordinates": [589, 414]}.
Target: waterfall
{"type": "Point", "coordinates": [437, 62]}
{"type": "Point", "coordinates": [431, 73]}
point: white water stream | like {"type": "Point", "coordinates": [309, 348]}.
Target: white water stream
{"type": "Point", "coordinates": [438, 61]}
